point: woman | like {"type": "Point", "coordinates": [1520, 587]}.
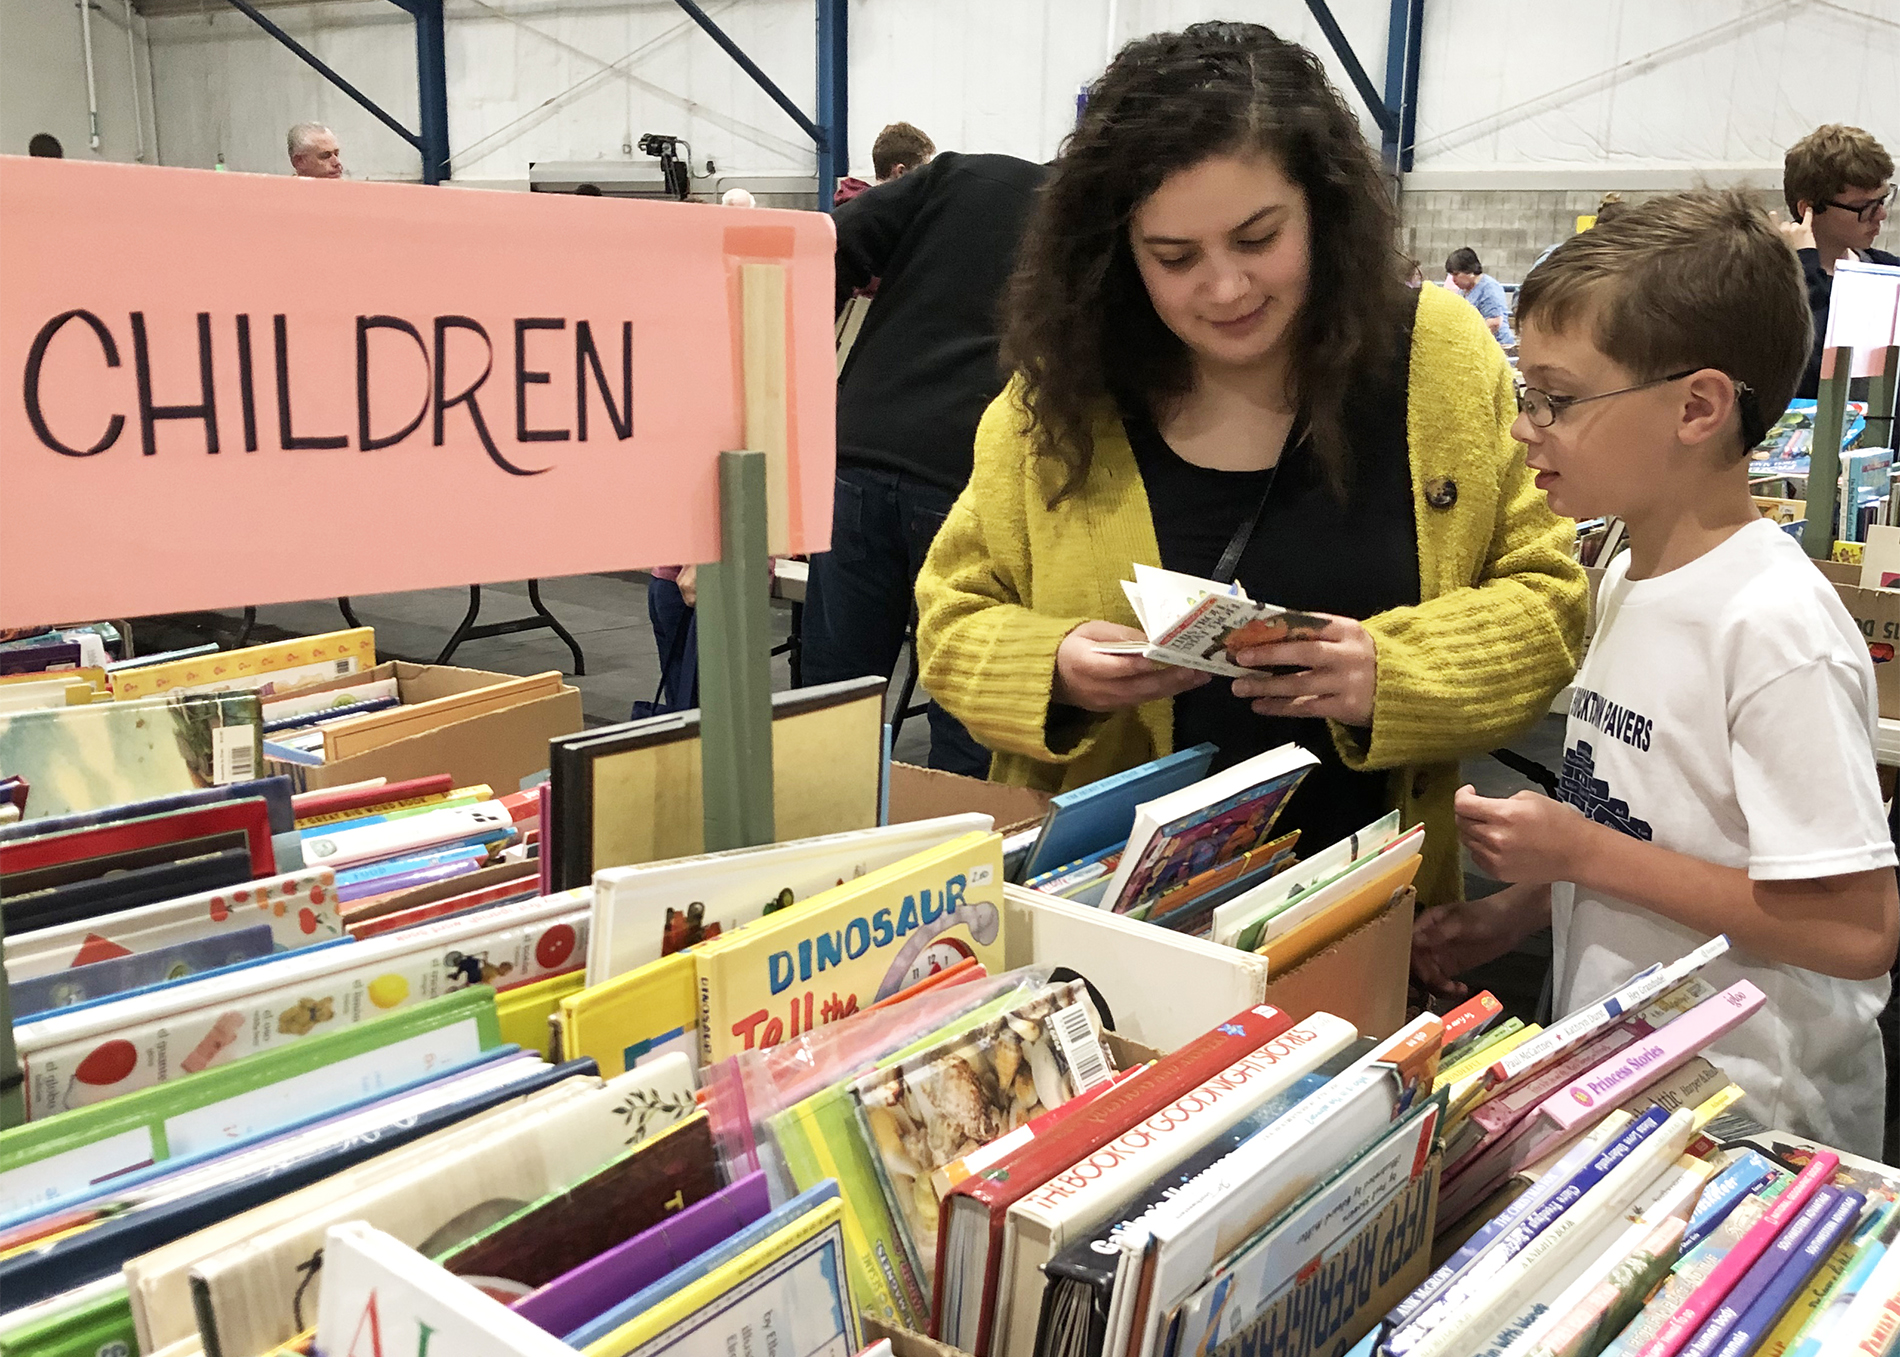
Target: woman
{"type": "Point", "coordinates": [1215, 356]}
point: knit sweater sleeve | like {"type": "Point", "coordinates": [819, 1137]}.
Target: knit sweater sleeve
{"type": "Point", "coordinates": [1468, 669]}
{"type": "Point", "coordinates": [983, 652]}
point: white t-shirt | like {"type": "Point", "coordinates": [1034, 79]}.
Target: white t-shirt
{"type": "Point", "coordinates": [1727, 711]}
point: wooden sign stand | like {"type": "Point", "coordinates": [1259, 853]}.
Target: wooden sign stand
{"type": "Point", "coordinates": [1824, 453]}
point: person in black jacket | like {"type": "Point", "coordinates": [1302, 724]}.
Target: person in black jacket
{"type": "Point", "coordinates": [1838, 182]}
{"type": "Point", "coordinates": [942, 238]}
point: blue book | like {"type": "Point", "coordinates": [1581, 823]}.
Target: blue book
{"type": "Point", "coordinates": [1760, 1318]}
{"type": "Point", "coordinates": [1724, 1192]}
{"type": "Point", "coordinates": [329, 714]}
{"type": "Point", "coordinates": [1762, 1274]}
{"type": "Point", "coordinates": [703, 1266]}
{"type": "Point", "coordinates": [275, 792]}
{"type": "Point", "coordinates": [1088, 819]}
{"type": "Point", "coordinates": [459, 851]}
{"type": "Point", "coordinates": [343, 941]}
{"type": "Point", "coordinates": [1061, 877]}
{"type": "Point", "coordinates": [139, 970]}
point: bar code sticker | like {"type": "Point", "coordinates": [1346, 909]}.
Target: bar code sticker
{"type": "Point", "coordinates": [346, 665]}
{"type": "Point", "coordinates": [1081, 1047]}
{"type": "Point", "coordinates": [233, 754]}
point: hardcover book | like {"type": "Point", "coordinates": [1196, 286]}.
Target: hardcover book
{"type": "Point", "coordinates": [274, 667]}
{"type": "Point", "coordinates": [1085, 820]}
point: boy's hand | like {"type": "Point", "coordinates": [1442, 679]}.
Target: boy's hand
{"type": "Point", "coordinates": [1527, 838]}
{"type": "Point", "coordinates": [1338, 671]}
{"type": "Point", "coordinates": [1451, 939]}
{"type": "Point", "coordinates": [1798, 234]}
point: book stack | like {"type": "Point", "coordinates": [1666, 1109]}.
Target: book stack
{"type": "Point", "coordinates": [1597, 1196]}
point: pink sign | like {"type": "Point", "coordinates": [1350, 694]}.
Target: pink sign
{"type": "Point", "coordinates": [226, 389]}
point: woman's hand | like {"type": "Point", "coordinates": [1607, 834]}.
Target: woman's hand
{"type": "Point", "coordinates": [1451, 939]}
{"type": "Point", "coordinates": [1525, 838]}
{"type": "Point", "coordinates": [1088, 679]}
{"type": "Point", "coordinates": [1339, 667]}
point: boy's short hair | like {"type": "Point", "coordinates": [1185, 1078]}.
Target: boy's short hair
{"type": "Point", "coordinates": [1464, 259]}
{"type": "Point", "coordinates": [1829, 160]}
{"type": "Point", "coordinates": [900, 144]}
{"type": "Point", "coordinates": [1610, 208]}
{"type": "Point", "coordinates": [1690, 280]}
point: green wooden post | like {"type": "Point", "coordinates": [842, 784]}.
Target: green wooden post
{"type": "Point", "coordinates": [12, 1091]}
{"type": "Point", "coordinates": [1881, 392]}
{"type": "Point", "coordinates": [1824, 455]}
{"type": "Point", "coordinates": [735, 674]}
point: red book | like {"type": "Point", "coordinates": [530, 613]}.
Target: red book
{"type": "Point", "coordinates": [249, 816]}
{"type": "Point", "coordinates": [1471, 1017]}
{"type": "Point", "coordinates": [310, 804]}
{"type": "Point", "coordinates": [995, 1190]}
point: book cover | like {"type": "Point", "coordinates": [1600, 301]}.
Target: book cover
{"type": "Point", "coordinates": [787, 1293]}
{"type": "Point", "coordinates": [1202, 624]}
{"type": "Point", "coordinates": [49, 1159]}
{"type": "Point", "coordinates": [1386, 864]}
{"type": "Point", "coordinates": [298, 907]}
{"type": "Point", "coordinates": [1588, 1325]}
{"type": "Point", "coordinates": [275, 792]}
{"type": "Point", "coordinates": [341, 846]}
{"type": "Point", "coordinates": [579, 1221]}
{"type": "Point", "coordinates": [598, 1284]}
{"type": "Point", "coordinates": [137, 970]}
{"type": "Point", "coordinates": [85, 900]}
{"type": "Point", "coordinates": [633, 905]}
{"type": "Point", "coordinates": [1303, 931]}
{"type": "Point", "coordinates": [381, 1296]}
{"type": "Point", "coordinates": [254, 1288]}
{"type": "Point", "coordinates": [1185, 833]}
{"type": "Point", "coordinates": [80, 847]}
{"type": "Point", "coordinates": [643, 1015]}
{"type": "Point", "coordinates": [1189, 907]}
{"type": "Point", "coordinates": [333, 654]}
{"type": "Point", "coordinates": [850, 946]}
{"type": "Point", "coordinates": [1769, 1287]}
{"type": "Point", "coordinates": [928, 1109]}
{"type": "Point", "coordinates": [103, 1051]}
{"type": "Point", "coordinates": [1086, 820]}
{"type": "Point", "coordinates": [525, 1013]}
{"type": "Point", "coordinates": [971, 1227]}
{"type": "Point", "coordinates": [1324, 865]}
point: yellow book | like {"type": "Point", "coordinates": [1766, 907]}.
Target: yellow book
{"type": "Point", "coordinates": [1480, 1060]}
{"type": "Point", "coordinates": [524, 1012]}
{"type": "Point", "coordinates": [288, 664]}
{"type": "Point", "coordinates": [101, 686]}
{"type": "Point", "coordinates": [786, 1294]}
{"type": "Point", "coordinates": [644, 1012]}
{"type": "Point", "coordinates": [1323, 930]}
{"type": "Point", "coordinates": [846, 948]}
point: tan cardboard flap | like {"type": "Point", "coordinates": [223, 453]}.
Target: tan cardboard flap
{"type": "Point", "coordinates": [1877, 613]}
{"type": "Point", "coordinates": [1361, 978]}
{"type": "Point", "coordinates": [359, 735]}
{"type": "Point", "coordinates": [925, 793]}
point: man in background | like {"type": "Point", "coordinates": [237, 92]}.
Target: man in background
{"type": "Point", "coordinates": [943, 238]}
{"type": "Point", "coordinates": [898, 149]}
{"type": "Point", "coordinates": [1466, 276]}
{"type": "Point", "coordinates": [1838, 182]}
{"type": "Point", "coordinates": [314, 153]}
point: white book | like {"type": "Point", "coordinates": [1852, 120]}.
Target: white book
{"type": "Point", "coordinates": [300, 908]}
{"type": "Point", "coordinates": [631, 904]}
{"type": "Point", "coordinates": [1153, 818]}
{"type": "Point", "coordinates": [1200, 624]}
{"type": "Point", "coordinates": [1482, 1303]}
{"type": "Point", "coordinates": [1083, 1196]}
{"type": "Point", "coordinates": [182, 1028]}
{"type": "Point", "coordinates": [1870, 1321]}
{"type": "Point", "coordinates": [1315, 869]}
{"type": "Point", "coordinates": [1164, 988]}
{"type": "Point", "coordinates": [346, 847]}
{"type": "Point", "coordinates": [381, 1296]}
{"type": "Point", "coordinates": [304, 704]}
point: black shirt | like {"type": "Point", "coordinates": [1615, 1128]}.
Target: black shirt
{"type": "Point", "coordinates": [941, 240]}
{"type": "Point", "coordinates": [1311, 551]}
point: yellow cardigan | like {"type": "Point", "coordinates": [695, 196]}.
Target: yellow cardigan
{"type": "Point", "coordinates": [1497, 633]}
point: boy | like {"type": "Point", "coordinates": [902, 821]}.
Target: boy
{"type": "Point", "coordinates": [1718, 768]}
{"type": "Point", "coordinates": [1838, 183]}
{"type": "Point", "coordinates": [1465, 275]}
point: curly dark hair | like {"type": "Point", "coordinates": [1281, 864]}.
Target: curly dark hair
{"type": "Point", "coordinates": [1077, 322]}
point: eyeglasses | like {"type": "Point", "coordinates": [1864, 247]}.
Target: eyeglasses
{"type": "Point", "coordinates": [1541, 408]}
{"type": "Point", "coordinates": [1865, 211]}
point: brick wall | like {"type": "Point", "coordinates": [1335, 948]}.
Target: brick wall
{"type": "Point", "coordinates": [1508, 228]}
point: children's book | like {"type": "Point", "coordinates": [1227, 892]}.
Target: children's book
{"type": "Point", "coordinates": [137, 970]}
{"type": "Point", "coordinates": [848, 947]}
{"type": "Point", "coordinates": [1237, 922]}
{"type": "Point", "coordinates": [1179, 836]}
{"type": "Point", "coordinates": [644, 912]}
{"type": "Point", "coordinates": [1199, 624]}
{"type": "Point", "coordinates": [927, 1110]}
{"type": "Point", "coordinates": [274, 667]}
{"type": "Point", "coordinates": [1086, 820]}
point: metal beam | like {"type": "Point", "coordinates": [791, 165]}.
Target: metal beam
{"type": "Point", "coordinates": [751, 68]}
{"type": "Point", "coordinates": [833, 87]}
{"type": "Point", "coordinates": [316, 63]}
{"type": "Point", "coordinates": [1387, 119]}
{"type": "Point", "coordinates": [432, 88]}
{"type": "Point", "coordinates": [1408, 95]}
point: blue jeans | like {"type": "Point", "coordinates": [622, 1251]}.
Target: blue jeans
{"type": "Point", "coordinates": [862, 592]}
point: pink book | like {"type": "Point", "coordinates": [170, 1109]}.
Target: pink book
{"type": "Point", "coordinates": [1708, 1297]}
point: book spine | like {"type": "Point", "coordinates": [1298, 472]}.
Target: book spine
{"type": "Point", "coordinates": [1762, 1275]}
{"type": "Point", "coordinates": [1760, 1318]}
{"type": "Point", "coordinates": [1704, 1300]}
{"type": "Point", "coordinates": [1731, 1185]}
{"type": "Point", "coordinates": [1637, 1067]}
{"type": "Point", "coordinates": [1471, 1018]}
{"type": "Point", "coordinates": [1868, 1327]}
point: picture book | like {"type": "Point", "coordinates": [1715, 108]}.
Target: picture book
{"type": "Point", "coordinates": [1785, 450]}
{"type": "Point", "coordinates": [1185, 833]}
{"type": "Point", "coordinates": [1085, 820]}
{"type": "Point", "coordinates": [644, 912]}
{"type": "Point", "coordinates": [276, 666]}
{"type": "Point", "coordinates": [1199, 624]}
{"type": "Point", "coordinates": [644, 1015]}
{"type": "Point", "coordinates": [88, 852]}
{"type": "Point", "coordinates": [107, 753]}
{"type": "Point", "coordinates": [1324, 864]}
{"type": "Point", "coordinates": [138, 970]}
{"type": "Point", "coordinates": [848, 947]}
{"type": "Point", "coordinates": [931, 1108]}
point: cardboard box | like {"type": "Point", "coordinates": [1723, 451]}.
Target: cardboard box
{"type": "Point", "coordinates": [498, 748]}
{"type": "Point", "coordinates": [1361, 978]}
{"type": "Point", "coordinates": [1337, 1300]}
{"type": "Point", "coordinates": [923, 793]}
{"type": "Point", "coordinates": [1877, 613]}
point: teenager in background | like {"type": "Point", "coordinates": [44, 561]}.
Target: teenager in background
{"type": "Point", "coordinates": [1838, 182]}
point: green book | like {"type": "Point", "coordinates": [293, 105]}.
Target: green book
{"type": "Point", "coordinates": [822, 1137]}
{"type": "Point", "coordinates": [100, 1321]}
{"type": "Point", "coordinates": [219, 1107]}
